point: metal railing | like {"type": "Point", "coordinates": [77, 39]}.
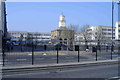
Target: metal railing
{"type": "Point", "coordinates": [28, 54]}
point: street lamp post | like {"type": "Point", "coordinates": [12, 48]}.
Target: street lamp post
{"type": "Point", "coordinates": [112, 26]}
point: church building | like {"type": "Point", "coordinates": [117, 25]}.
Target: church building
{"type": "Point", "coordinates": [62, 34]}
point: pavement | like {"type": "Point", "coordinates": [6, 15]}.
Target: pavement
{"type": "Point", "coordinates": [99, 69]}
{"type": "Point", "coordinates": [52, 67]}
{"type": "Point", "coordinates": [104, 71]}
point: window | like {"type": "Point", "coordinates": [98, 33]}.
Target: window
{"type": "Point", "coordinates": [46, 34]}
{"type": "Point", "coordinates": [104, 33]}
{"type": "Point", "coordinates": [89, 30]}
{"type": "Point", "coordinates": [119, 36]}
{"type": "Point", "coordinates": [109, 33]}
{"type": "Point", "coordinates": [119, 30]}
{"type": "Point", "coordinates": [109, 29]}
{"type": "Point", "coordinates": [104, 29]}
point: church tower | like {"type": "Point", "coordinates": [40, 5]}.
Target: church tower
{"type": "Point", "coordinates": [62, 21]}
{"type": "Point", "coordinates": [62, 34]}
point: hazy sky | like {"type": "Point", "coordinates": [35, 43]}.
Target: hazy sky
{"type": "Point", "coordinates": [44, 16]}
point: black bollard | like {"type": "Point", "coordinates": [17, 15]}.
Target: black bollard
{"type": "Point", "coordinates": [94, 49]}
{"type": "Point", "coordinates": [78, 56]}
{"type": "Point", "coordinates": [32, 54]}
{"type": "Point", "coordinates": [77, 49]}
{"type": "Point", "coordinates": [57, 56]}
{"type": "Point", "coordinates": [3, 56]}
{"type": "Point", "coordinates": [111, 51]}
{"type": "Point", "coordinates": [96, 55]}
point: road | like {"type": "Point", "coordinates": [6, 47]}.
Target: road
{"type": "Point", "coordinates": [103, 71]}
{"type": "Point", "coordinates": [49, 57]}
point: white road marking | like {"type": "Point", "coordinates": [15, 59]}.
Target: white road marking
{"type": "Point", "coordinates": [30, 54]}
{"type": "Point", "coordinates": [1, 62]}
{"type": "Point", "coordinates": [117, 78]}
{"type": "Point", "coordinates": [69, 57]}
{"type": "Point", "coordinates": [21, 59]}
{"type": "Point", "coordinates": [44, 54]}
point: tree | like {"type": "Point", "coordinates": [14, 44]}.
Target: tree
{"type": "Point", "coordinates": [99, 35]}
{"type": "Point", "coordinates": [29, 38]}
{"type": "Point", "coordinates": [75, 28]}
{"type": "Point", "coordinates": [86, 36]}
{"type": "Point", "coordinates": [21, 37]}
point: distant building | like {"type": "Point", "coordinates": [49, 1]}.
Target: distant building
{"type": "Point", "coordinates": [62, 34]}
{"type": "Point", "coordinates": [92, 34]}
{"type": "Point", "coordinates": [79, 36]}
{"type": "Point", "coordinates": [103, 32]}
{"type": "Point", "coordinates": [15, 35]}
{"type": "Point", "coordinates": [43, 38]}
{"type": "Point", "coordinates": [29, 36]}
{"type": "Point", "coordinates": [97, 32]}
{"type": "Point", "coordinates": [118, 30]}
{"type": "Point", "coordinates": [118, 23]}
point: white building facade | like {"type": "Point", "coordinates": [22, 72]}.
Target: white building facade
{"type": "Point", "coordinates": [118, 23]}
{"type": "Point", "coordinates": [101, 32]}
{"type": "Point", "coordinates": [96, 32]}
{"type": "Point", "coordinates": [34, 36]}
{"type": "Point", "coordinates": [117, 30]}
{"type": "Point", "coordinates": [15, 35]}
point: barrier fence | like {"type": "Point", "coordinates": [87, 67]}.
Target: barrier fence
{"type": "Point", "coordinates": [30, 54]}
